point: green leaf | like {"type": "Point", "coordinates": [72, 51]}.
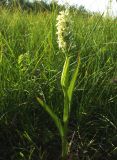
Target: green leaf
{"type": "Point", "coordinates": [73, 81]}
{"type": "Point", "coordinates": [53, 116]}
{"type": "Point", "coordinates": [65, 74]}
{"type": "Point", "coordinates": [64, 84]}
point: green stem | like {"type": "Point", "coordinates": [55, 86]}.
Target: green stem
{"type": "Point", "coordinates": [65, 143]}
{"type": "Point", "coordinates": [65, 121]}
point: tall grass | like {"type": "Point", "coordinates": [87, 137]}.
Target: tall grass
{"type": "Point", "coordinates": [31, 65]}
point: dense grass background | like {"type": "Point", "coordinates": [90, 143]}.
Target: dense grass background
{"type": "Point", "coordinates": [31, 65]}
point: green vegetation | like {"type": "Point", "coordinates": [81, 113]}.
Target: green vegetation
{"type": "Point", "coordinates": [31, 65]}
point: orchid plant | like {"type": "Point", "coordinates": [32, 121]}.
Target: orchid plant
{"type": "Point", "coordinates": [65, 44]}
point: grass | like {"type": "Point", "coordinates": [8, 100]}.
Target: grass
{"type": "Point", "coordinates": [31, 66]}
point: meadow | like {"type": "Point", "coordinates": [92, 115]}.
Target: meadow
{"type": "Point", "coordinates": [30, 66]}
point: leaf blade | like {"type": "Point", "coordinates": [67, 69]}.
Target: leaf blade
{"type": "Point", "coordinates": [64, 76]}
{"type": "Point", "coordinates": [53, 116]}
{"type": "Point", "coordinates": [73, 81]}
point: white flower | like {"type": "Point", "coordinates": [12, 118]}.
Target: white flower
{"type": "Point", "coordinates": [62, 28]}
